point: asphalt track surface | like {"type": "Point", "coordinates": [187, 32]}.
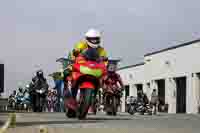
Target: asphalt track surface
{"type": "Point", "coordinates": [58, 123]}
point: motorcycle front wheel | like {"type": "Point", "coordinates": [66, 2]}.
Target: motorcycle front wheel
{"type": "Point", "coordinates": [70, 113]}
{"type": "Point", "coordinates": [131, 110]}
{"type": "Point", "coordinates": [114, 105]}
{"type": "Point", "coordinates": [25, 106]}
{"type": "Point", "coordinates": [86, 96]}
{"type": "Point", "coordinates": [13, 105]}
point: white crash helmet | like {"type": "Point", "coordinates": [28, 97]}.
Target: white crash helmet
{"type": "Point", "coordinates": [27, 86]}
{"type": "Point", "coordinates": [93, 38]}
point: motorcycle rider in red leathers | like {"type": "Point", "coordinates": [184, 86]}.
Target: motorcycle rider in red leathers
{"type": "Point", "coordinates": [112, 81]}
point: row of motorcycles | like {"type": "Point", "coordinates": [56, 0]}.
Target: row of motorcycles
{"type": "Point", "coordinates": [34, 97]}
{"type": "Point", "coordinates": [24, 102]}
{"type": "Point", "coordinates": [87, 71]}
{"type": "Point", "coordinates": [138, 106]}
{"type": "Point", "coordinates": [80, 89]}
{"type": "Point", "coordinates": [20, 102]}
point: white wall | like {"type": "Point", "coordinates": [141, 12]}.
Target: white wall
{"type": "Point", "coordinates": [170, 94]}
{"type": "Point", "coordinates": [179, 62]}
{"type": "Point", "coordinates": [132, 76]}
{"type": "Point", "coordinates": [182, 61]}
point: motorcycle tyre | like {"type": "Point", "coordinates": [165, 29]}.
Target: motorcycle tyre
{"type": "Point", "coordinates": [109, 113]}
{"type": "Point", "coordinates": [131, 112]}
{"type": "Point", "coordinates": [141, 113]}
{"type": "Point", "coordinates": [85, 103]}
{"type": "Point", "coordinates": [70, 113]}
{"type": "Point", "coordinates": [114, 106]}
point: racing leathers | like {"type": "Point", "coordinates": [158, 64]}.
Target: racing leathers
{"type": "Point", "coordinates": [112, 81]}
{"type": "Point", "coordinates": [81, 46]}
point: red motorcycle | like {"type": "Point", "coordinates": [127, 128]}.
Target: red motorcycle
{"type": "Point", "coordinates": [87, 71]}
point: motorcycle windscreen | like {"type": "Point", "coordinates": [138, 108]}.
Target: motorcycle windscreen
{"type": "Point", "coordinates": [87, 85]}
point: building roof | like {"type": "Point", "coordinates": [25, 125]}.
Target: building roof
{"type": "Point", "coordinates": [173, 47]}
{"type": "Point", "coordinates": [130, 66]}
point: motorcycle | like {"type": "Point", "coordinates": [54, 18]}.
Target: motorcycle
{"type": "Point", "coordinates": [12, 102]}
{"type": "Point", "coordinates": [19, 103]}
{"type": "Point", "coordinates": [86, 73]}
{"type": "Point", "coordinates": [139, 106]}
{"type": "Point", "coordinates": [40, 97]}
{"type": "Point", "coordinates": [93, 109]}
{"type": "Point", "coordinates": [51, 103]}
{"type": "Point", "coordinates": [112, 99]}
{"type": "Point", "coordinates": [26, 101]}
{"type": "Point", "coordinates": [38, 92]}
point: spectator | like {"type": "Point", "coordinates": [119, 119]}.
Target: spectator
{"type": "Point", "coordinates": [154, 101]}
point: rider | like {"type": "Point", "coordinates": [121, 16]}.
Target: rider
{"type": "Point", "coordinates": [112, 80]}
{"type": "Point", "coordinates": [92, 40]}
{"type": "Point", "coordinates": [12, 98]}
{"type": "Point", "coordinates": [142, 97]}
{"type": "Point", "coordinates": [38, 82]}
{"type": "Point", "coordinates": [26, 92]}
{"type": "Point", "coordinates": [40, 76]}
{"type": "Point", "coordinates": [20, 92]}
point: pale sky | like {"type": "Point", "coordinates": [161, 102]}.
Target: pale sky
{"type": "Point", "coordinates": [36, 32]}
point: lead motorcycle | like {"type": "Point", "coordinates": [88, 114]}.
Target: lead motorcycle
{"type": "Point", "coordinates": [86, 73]}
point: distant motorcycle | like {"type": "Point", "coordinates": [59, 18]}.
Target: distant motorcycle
{"type": "Point", "coordinates": [12, 102]}
{"type": "Point", "coordinates": [26, 102]}
{"type": "Point", "coordinates": [51, 103]}
{"type": "Point", "coordinates": [19, 103]}
{"type": "Point", "coordinates": [112, 98]}
{"type": "Point", "coordinates": [38, 93]}
{"type": "Point", "coordinates": [139, 106]}
{"type": "Point", "coordinates": [40, 97]}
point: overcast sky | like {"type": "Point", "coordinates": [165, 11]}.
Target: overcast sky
{"type": "Point", "coordinates": [33, 33]}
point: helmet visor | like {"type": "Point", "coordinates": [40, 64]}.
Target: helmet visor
{"type": "Point", "coordinates": [94, 40]}
{"type": "Point", "coordinates": [112, 67]}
